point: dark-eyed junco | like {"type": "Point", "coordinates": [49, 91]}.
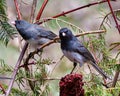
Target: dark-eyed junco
{"type": "Point", "coordinates": [73, 49]}
{"type": "Point", "coordinates": [33, 33]}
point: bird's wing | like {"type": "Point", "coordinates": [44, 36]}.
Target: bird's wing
{"type": "Point", "coordinates": [45, 33]}
{"type": "Point", "coordinates": [83, 51]}
{"type": "Point", "coordinates": [48, 34]}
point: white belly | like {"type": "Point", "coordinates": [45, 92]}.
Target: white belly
{"type": "Point", "coordinates": [38, 41]}
{"type": "Point", "coordinates": [74, 57]}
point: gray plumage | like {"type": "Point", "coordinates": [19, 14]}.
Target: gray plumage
{"type": "Point", "coordinates": [74, 50]}
{"type": "Point", "coordinates": [33, 33]}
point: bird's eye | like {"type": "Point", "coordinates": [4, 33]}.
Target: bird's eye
{"type": "Point", "coordinates": [64, 34]}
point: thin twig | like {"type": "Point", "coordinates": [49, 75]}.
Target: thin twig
{"type": "Point", "coordinates": [8, 78]}
{"type": "Point", "coordinates": [3, 90]}
{"type": "Point", "coordinates": [23, 65]}
{"type": "Point", "coordinates": [56, 65]}
{"type": "Point", "coordinates": [41, 10]}
{"type": "Point", "coordinates": [70, 11]}
{"type": "Point", "coordinates": [17, 9]}
{"type": "Point", "coordinates": [61, 20]}
{"type": "Point", "coordinates": [57, 38]}
{"type": "Point", "coordinates": [104, 19]}
{"type": "Point", "coordinates": [114, 17]}
{"type": "Point", "coordinates": [117, 25]}
{"type": "Point", "coordinates": [27, 70]}
{"type": "Point", "coordinates": [107, 16]}
{"type": "Point", "coordinates": [34, 80]}
{"type": "Point", "coordinates": [91, 32]}
{"type": "Point", "coordinates": [20, 57]}
{"type": "Point", "coordinates": [115, 78]}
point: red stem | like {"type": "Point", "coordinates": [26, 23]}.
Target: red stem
{"type": "Point", "coordinates": [41, 10]}
{"type": "Point", "coordinates": [2, 88]}
{"type": "Point", "coordinates": [17, 9]}
{"type": "Point", "coordinates": [70, 11]}
{"type": "Point", "coordinates": [20, 57]}
{"type": "Point", "coordinates": [31, 84]}
{"type": "Point", "coordinates": [114, 17]}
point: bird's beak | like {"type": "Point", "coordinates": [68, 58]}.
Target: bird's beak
{"type": "Point", "coordinates": [64, 34]}
{"type": "Point", "coordinates": [13, 22]}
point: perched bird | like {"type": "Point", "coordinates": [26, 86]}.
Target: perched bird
{"type": "Point", "coordinates": [73, 49]}
{"type": "Point", "coordinates": [33, 33]}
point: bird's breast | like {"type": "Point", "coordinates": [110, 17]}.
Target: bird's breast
{"type": "Point", "coordinates": [74, 57]}
{"type": "Point", "coordinates": [38, 41]}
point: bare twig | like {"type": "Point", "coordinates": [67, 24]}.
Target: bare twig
{"type": "Point", "coordinates": [20, 57]}
{"type": "Point", "coordinates": [57, 38]}
{"type": "Point", "coordinates": [2, 88]}
{"type": "Point", "coordinates": [107, 16]}
{"type": "Point", "coordinates": [104, 19]}
{"type": "Point", "coordinates": [61, 20]}
{"type": "Point", "coordinates": [27, 70]}
{"type": "Point", "coordinates": [115, 78]}
{"type": "Point", "coordinates": [70, 11]}
{"type": "Point", "coordinates": [5, 78]}
{"type": "Point", "coordinates": [34, 80]}
{"type": "Point", "coordinates": [32, 63]}
{"type": "Point", "coordinates": [114, 17]}
{"type": "Point", "coordinates": [16, 69]}
{"type": "Point", "coordinates": [17, 9]}
{"type": "Point", "coordinates": [41, 10]}
{"type": "Point", "coordinates": [33, 10]}
{"type": "Point", "coordinates": [91, 32]}
{"type": "Point", "coordinates": [117, 25]}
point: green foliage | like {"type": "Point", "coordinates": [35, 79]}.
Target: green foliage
{"type": "Point", "coordinates": [35, 77]}
{"type": "Point", "coordinates": [57, 23]}
{"type": "Point", "coordinates": [94, 87]}
{"type": "Point", "coordinates": [3, 10]}
{"type": "Point", "coordinates": [97, 90]}
{"type": "Point", "coordinates": [102, 52]}
{"type": "Point", "coordinates": [115, 45]}
{"type": "Point", "coordinates": [118, 14]}
{"type": "Point", "coordinates": [17, 92]}
{"type": "Point", "coordinates": [4, 68]}
{"type": "Point", "coordinates": [6, 30]}
{"type": "Point", "coordinates": [40, 74]}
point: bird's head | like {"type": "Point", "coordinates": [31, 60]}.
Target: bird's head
{"type": "Point", "coordinates": [65, 34]}
{"type": "Point", "coordinates": [20, 24]}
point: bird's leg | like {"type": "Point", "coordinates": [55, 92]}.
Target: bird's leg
{"type": "Point", "coordinates": [39, 49]}
{"type": "Point", "coordinates": [75, 64]}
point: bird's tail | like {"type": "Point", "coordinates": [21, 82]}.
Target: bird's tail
{"type": "Point", "coordinates": [100, 70]}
